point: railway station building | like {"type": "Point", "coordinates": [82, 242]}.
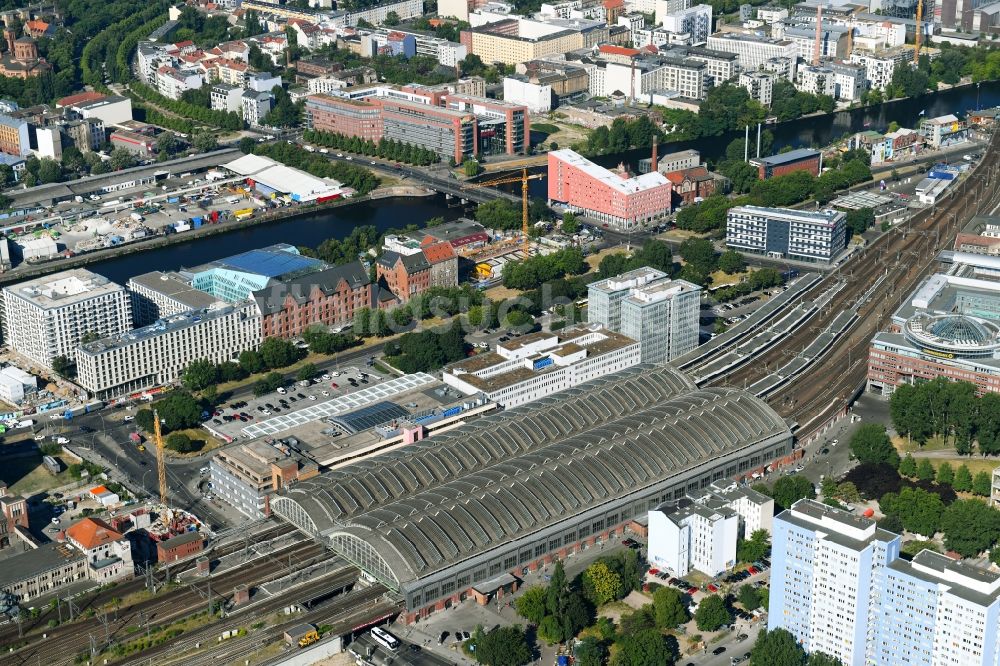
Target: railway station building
{"type": "Point", "coordinates": [949, 327]}
{"type": "Point", "coordinates": [467, 512]}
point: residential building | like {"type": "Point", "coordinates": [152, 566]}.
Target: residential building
{"type": "Point", "coordinates": [800, 159]}
{"type": "Point", "coordinates": [663, 317]}
{"type": "Point", "coordinates": [928, 610]}
{"type": "Point", "coordinates": [604, 297]}
{"type": "Point", "coordinates": [655, 74]}
{"type": "Point", "coordinates": [516, 40]}
{"type": "Point", "coordinates": [622, 203]}
{"type": "Point", "coordinates": [535, 365]}
{"type": "Point", "coordinates": [980, 236]}
{"type": "Point", "coordinates": [246, 475]}
{"type": "Point", "coordinates": [159, 295]}
{"type": "Point", "coordinates": [172, 82]}
{"type": "Point", "coordinates": [235, 278]}
{"type": "Point", "coordinates": [720, 66]}
{"type": "Point", "coordinates": [686, 535]}
{"type": "Point", "coordinates": [880, 65]}
{"type": "Point", "coordinates": [378, 13]}
{"type": "Point", "coordinates": [111, 110]}
{"type": "Point", "coordinates": [753, 51]}
{"type": "Point", "coordinates": [944, 131]}
{"type": "Point", "coordinates": [108, 552]}
{"type": "Point", "coordinates": [87, 135]}
{"type": "Point", "coordinates": [995, 488]}
{"type": "Point", "coordinates": [329, 297]}
{"type": "Point", "coordinates": [809, 236]}
{"type": "Point", "coordinates": [816, 80]}
{"type": "Point", "coordinates": [536, 97]}
{"type": "Point", "coordinates": [48, 316]}
{"type": "Point", "coordinates": [140, 145]}
{"type": "Point", "coordinates": [832, 43]}
{"type": "Point", "coordinates": [848, 81]}
{"type": "Point", "coordinates": [770, 14]}
{"type": "Point", "coordinates": [949, 327]}
{"type": "Point", "coordinates": [262, 81]}
{"type": "Point", "coordinates": [226, 97]}
{"type": "Point", "coordinates": [404, 275]}
{"type": "Point", "coordinates": [876, 144]}
{"type": "Point", "coordinates": [157, 354]}
{"type": "Point", "coordinates": [695, 22]}
{"type": "Point", "coordinates": [14, 139]}
{"type": "Point", "coordinates": [256, 105]}
{"type": "Point", "coordinates": [760, 85]}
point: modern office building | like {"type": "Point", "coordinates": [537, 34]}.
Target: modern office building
{"type": "Point", "coordinates": [604, 297]}
{"type": "Point", "coordinates": [622, 203]}
{"type": "Point", "coordinates": [235, 278]}
{"type": "Point", "coordinates": [782, 164]}
{"type": "Point", "coordinates": [502, 127]}
{"type": "Point", "coordinates": [753, 51]}
{"type": "Point", "coordinates": [511, 492]}
{"type": "Point", "coordinates": [949, 327]}
{"type": "Point", "coordinates": [158, 295]}
{"type": "Point", "coordinates": [247, 475]}
{"type": "Point", "coordinates": [663, 317]}
{"type": "Point", "coordinates": [839, 586]}
{"type": "Point", "coordinates": [48, 316]}
{"type": "Point", "coordinates": [784, 233]}
{"type": "Point", "coordinates": [694, 21]}
{"type": "Point", "coordinates": [538, 364]}
{"type": "Point", "coordinates": [341, 115]}
{"type": "Point", "coordinates": [157, 354]}
{"type": "Point", "coordinates": [647, 306]}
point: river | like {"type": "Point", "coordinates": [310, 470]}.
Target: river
{"type": "Point", "coordinates": [311, 230]}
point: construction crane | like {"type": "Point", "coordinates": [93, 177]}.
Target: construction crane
{"type": "Point", "coordinates": [523, 179]}
{"type": "Point", "coordinates": [161, 467]}
{"type": "Point", "coordinates": [916, 43]}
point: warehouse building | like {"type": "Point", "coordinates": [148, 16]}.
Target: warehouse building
{"type": "Point", "coordinates": [464, 513]}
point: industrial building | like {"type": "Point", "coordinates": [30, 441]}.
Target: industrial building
{"type": "Point", "coordinates": [884, 609]}
{"type": "Point", "coordinates": [782, 164]}
{"type": "Point", "coordinates": [463, 513]}
{"type": "Point", "coordinates": [535, 365]}
{"type": "Point", "coordinates": [605, 196]}
{"type": "Point", "coordinates": [271, 178]}
{"type": "Point", "coordinates": [157, 354]}
{"type": "Point", "coordinates": [647, 306]}
{"type": "Point", "coordinates": [949, 327]}
{"type": "Point", "coordinates": [784, 233]}
{"type": "Point", "coordinates": [48, 316]}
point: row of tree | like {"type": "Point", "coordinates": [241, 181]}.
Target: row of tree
{"type": "Point", "coordinates": [227, 120]}
{"type": "Point", "coordinates": [950, 410]}
{"type": "Point", "coordinates": [388, 149]}
{"type": "Point", "coordinates": [427, 350]}
{"type": "Point", "coordinates": [534, 271]}
{"type": "Point", "coordinates": [653, 254]}
{"type": "Point", "coordinates": [273, 353]}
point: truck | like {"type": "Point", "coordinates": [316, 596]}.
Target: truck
{"type": "Point", "coordinates": [243, 213]}
{"type": "Point", "coordinates": [136, 217]}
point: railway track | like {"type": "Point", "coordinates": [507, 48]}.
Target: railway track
{"type": "Point", "coordinates": [9, 633]}
{"type": "Point", "coordinates": [903, 257]}
{"type": "Point", "coordinates": [64, 642]}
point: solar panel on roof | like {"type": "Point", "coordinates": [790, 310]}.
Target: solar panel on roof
{"type": "Point", "coordinates": [371, 416]}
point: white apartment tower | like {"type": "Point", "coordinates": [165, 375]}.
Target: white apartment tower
{"type": "Point", "coordinates": [49, 316]}
{"type": "Point", "coordinates": [663, 317]}
{"type": "Point", "coordinates": [699, 536]}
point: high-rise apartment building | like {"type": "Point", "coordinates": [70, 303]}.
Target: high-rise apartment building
{"type": "Point", "coordinates": [49, 316]}
{"type": "Point", "coordinates": [646, 305]}
{"type": "Point", "coordinates": [839, 586]}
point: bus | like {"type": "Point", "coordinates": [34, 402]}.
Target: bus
{"type": "Point", "coordinates": [385, 639]}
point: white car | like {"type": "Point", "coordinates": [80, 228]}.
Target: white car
{"type": "Point", "coordinates": [39, 438]}
{"type": "Point", "coordinates": [336, 374]}
{"type": "Point", "coordinates": [340, 154]}
{"type": "Point", "coordinates": [325, 151]}
{"type": "Point", "coordinates": [62, 440]}
{"type": "Point", "coordinates": [312, 397]}
{"type": "Point", "coordinates": [325, 393]}
{"type": "Point", "coordinates": [326, 378]}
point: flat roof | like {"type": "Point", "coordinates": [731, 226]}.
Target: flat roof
{"type": "Point", "coordinates": [784, 158]}
{"type": "Point", "coordinates": [34, 562]}
{"type": "Point", "coordinates": [65, 288]}
{"type": "Point", "coordinates": [174, 286]}
{"type": "Point", "coordinates": [166, 325]}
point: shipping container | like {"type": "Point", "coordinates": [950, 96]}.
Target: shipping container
{"type": "Point", "coordinates": [196, 221]}
{"type": "Point", "coordinates": [182, 227]}
{"type": "Point", "coordinates": [243, 213]}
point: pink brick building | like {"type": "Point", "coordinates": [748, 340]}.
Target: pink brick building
{"type": "Point", "coordinates": [611, 198]}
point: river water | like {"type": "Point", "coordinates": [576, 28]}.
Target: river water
{"type": "Point", "coordinates": [385, 214]}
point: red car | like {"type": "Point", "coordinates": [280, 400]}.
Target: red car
{"type": "Point", "coordinates": [712, 588]}
{"type": "Point", "coordinates": [334, 385]}
{"type": "Point", "coordinates": [753, 571]}
{"type": "Point", "coordinates": [692, 590]}
{"type": "Point", "coordinates": [653, 572]}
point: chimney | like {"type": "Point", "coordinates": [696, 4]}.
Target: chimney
{"type": "Point", "coordinates": [8, 35]}
{"type": "Point", "coordinates": [656, 158]}
{"type": "Point", "coordinates": [819, 30]}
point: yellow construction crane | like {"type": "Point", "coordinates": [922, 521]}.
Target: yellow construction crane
{"type": "Point", "coordinates": [161, 467]}
{"type": "Point", "coordinates": [916, 46]}
{"type": "Point", "coordinates": [523, 179]}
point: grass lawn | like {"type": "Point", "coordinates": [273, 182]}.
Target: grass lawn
{"type": "Point", "coordinates": [681, 235]}
{"type": "Point", "coordinates": [26, 476]}
{"type": "Point", "coordinates": [196, 434]}
{"type": "Point", "coordinates": [544, 128]}
{"type": "Point", "coordinates": [500, 292]}
{"type": "Point", "coordinates": [594, 260]}
{"type": "Point", "coordinates": [975, 464]}
{"type": "Point", "coordinates": [720, 279]}
{"type": "Point", "coordinates": [932, 444]}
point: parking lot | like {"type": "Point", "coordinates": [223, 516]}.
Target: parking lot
{"type": "Point", "coordinates": [237, 420]}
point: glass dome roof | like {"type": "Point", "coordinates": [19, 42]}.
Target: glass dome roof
{"type": "Point", "coordinates": [959, 328]}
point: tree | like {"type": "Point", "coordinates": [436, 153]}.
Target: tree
{"type": "Point", "coordinates": [601, 584]}
{"type": "Point", "coordinates": [247, 144]}
{"type": "Point", "coordinates": [945, 474]}
{"type": "Point", "coordinates": [700, 254]}
{"type": "Point", "coordinates": [981, 484]}
{"type": "Point", "coordinates": [712, 613]}
{"type": "Point", "coordinates": [503, 646]}
{"type": "Point", "coordinates": [963, 479]}
{"type": "Point", "coordinates": [531, 604]}
{"type": "Point", "coordinates": [970, 527]}
{"type": "Point", "coordinates": [471, 168]}
{"type": "Point", "coordinates": [669, 609]}
{"type": "Point", "coordinates": [306, 372]}
{"type": "Point", "coordinates": [732, 262]}
{"type": "Point", "coordinates": [749, 597]}
{"type": "Point", "coordinates": [925, 470]}
{"type": "Point", "coordinates": [919, 510]}
{"type": "Point", "coordinates": [871, 444]}
{"type": "Point", "coordinates": [789, 489]}
{"type": "Point", "coordinates": [179, 410]}
{"type": "Point", "coordinates": [278, 353]}
{"type": "Point", "coordinates": [755, 548]}
{"type": "Point", "coordinates": [570, 225]}
{"type": "Point", "coordinates": [204, 142]}
{"type": "Point", "coordinates": [590, 652]}
{"type": "Point", "coordinates": [776, 648]}
{"type": "Point", "coordinates": [908, 467]}
{"type": "Point", "coordinates": [121, 159]}
{"type": "Point", "coordinates": [49, 171]}
{"type": "Point", "coordinates": [268, 384]}
{"type": "Point", "coordinates": [181, 443]}
{"type": "Point", "coordinates": [144, 419]}
{"type": "Point", "coordinates": [644, 648]}
{"type": "Point", "coordinates": [199, 375]}
{"type": "Point", "coordinates": [251, 362]}
{"type": "Point", "coordinates": [860, 220]}
{"type": "Point", "coordinates": [166, 142]}
{"type": "Point", "coordinates": [822, 659]}
{"type": "Point", "coordinates": [64, 367]}
{"type": "Point", "coordinates": [391, 19]}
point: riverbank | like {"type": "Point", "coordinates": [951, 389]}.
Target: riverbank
{"type": "Point", "coordinates": [282, 215]}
